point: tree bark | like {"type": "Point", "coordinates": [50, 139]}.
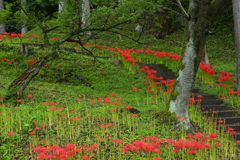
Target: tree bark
{"type": "Point", "coordinates": [86, 15]}
{"type": "Point", "coordinates": [2, 26]}
{"type": "Point", "coordinates": [201, 17]}
{"type": "Point", "coordinates": [236, 16]}
{"type": "Point", "coordinates": [205, 56]}
{"type": "Point", "coordinates": [61, 6]}
{"type": "Point", "coordinates": [19, 84]}
{"type": "Point", "coordinates": [24, 29]}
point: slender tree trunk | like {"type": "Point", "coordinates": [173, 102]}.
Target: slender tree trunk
{"type": "Point", "coordinates": [201, 16]}
{"type": "Point", "coordinates": [61, 6]}
{"type": "Point", "coordinates": [2, 26]}
{"type": "Point", "coordinates": [236, 15]}
{"type": "Point", "coordinates": [205, 56]}
{"type": "Point", "coordinates": [24, 29]}
{"type": "Point", "coordinates": [86, 15]}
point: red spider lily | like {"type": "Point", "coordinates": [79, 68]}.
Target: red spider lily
{"type": "Point", "coordinates": [231, 131]}
{"type": "Point", "coordinates": [108, 100]}
{"type": "Point", "coordinates": [179, 117]}
{"type": "Point", "coordinates": [198, 135]}
{"type": "Point", "coordinates": [135, 89]}
{"type": "Point", "coordinates": [113, 94]}
{"type": "Point", "coordinates": [169, 92]}
{"type": "Point", "coordinates": [128, 107]}
{"type": "Point", "coordinates": [134, 115]}
{"type": "Point", "coordinates": [30, 95]}
{"type": "Point", "coordinates": [92, 101]}
{"type": "Point", "coordinates": [117, 141]}
{"type": "Point", "coordinates": [32, 61]}
{"type": "Point", "coordinates": [32, 133]}
{"type": "Point", "coordinates": [85, 157]}
{"type": "Point", "coordinates": [6, 59]}
{"type": "Point", "coordinates": [224, 78]}
{"type": "Point", "coordinates": [207, 68]}
{"type": "Point", "coordinates": [37, 128]}
{"type": "Point", "coordinates": [213, 135]}
{"type": "Point", "coordinates": [72, 111]}
{"type": "Point", "coordinates": [70, 146]}
{"type": "Point", "coordinates": [10, 133]}
{"type": "Point", "coordinates": [189, 136]}
{"type": "Point", "coordinates": [118, 99]}
{"type": "Point", "coordinates": [19, 101]}
{"type": "Point", "coordinates": [49, 103]}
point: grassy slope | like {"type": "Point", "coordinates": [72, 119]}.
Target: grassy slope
{"type": "Point", "coordinates": [46, 86]}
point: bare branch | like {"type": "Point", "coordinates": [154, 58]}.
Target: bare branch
{"type": "Point", "coordinates": [181, 7]}
{"type": "Point", "coordinates": [161, 7]}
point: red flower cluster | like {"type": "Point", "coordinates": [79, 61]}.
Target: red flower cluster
{"type": "Point", "coordinates": [9, 35]}
{"type": "Point", "coordinates": [32, 61]}
{"type": "Point", "coordinates": [207, 68]}
{"type": "Point", "coordinates": [152, 144]}
{"type": "Point", "coordinates": [224, 76]}
{"type": "Point", "coordinates": [49, 103]}
{"type": "Point", "coordinates": [6, 59]}
{"type": "Point", "coordinates": [168, 55]}
{"type": "Point", "coordinates": [151, 73]}
{"type": "Point", "coordinates": [58, 152]}
{"type": "Point", "coordinates": [126, 53]}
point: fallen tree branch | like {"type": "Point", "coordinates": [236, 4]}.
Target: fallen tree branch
{"type": "Point", "coordinates": [84, 81]}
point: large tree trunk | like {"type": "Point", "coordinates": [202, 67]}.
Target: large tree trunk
{"type": "Point", "coordinates": [19, 84]}
{"type": "Point", "coordinates": [24, 29]}
{"type": "Point", "coordinates": [236, 15]}
{"type": "Point", "coordinates": [2, 26]}
{"type": "Point", "coordinates": [201, 16]}
{"type": "Point", "coordinates": [86, 15]}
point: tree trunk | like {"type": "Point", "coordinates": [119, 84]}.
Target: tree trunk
{"type": "Point", "coordinates": [21, 83]}
{"type": "Point", "coordinates": [25, 49]}
{"type": "Point", "coordinates": [201, 16]}
{"type": "Point", "coordinates": [2, 26]}
{"type": "Point", "coordinates": [61, 6]}
{"type": "Point", "coordinates": [236, 16]}
{"type": "Point", "coordinates": [205, 56]}
{"type": "Point", "coordinates": [86, 15]}
{"type": "Point", "coordinates": [24, 29]}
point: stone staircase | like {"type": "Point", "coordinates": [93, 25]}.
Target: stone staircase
{"type": "Point", "coordinates": [210, 103]}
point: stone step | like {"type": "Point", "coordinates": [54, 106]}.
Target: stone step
{"type": "Point", "coordinates": [214, 107]}
{"type": "Point", "coordinates": [236, 127]}
{"type": "Point", "coordinates": [224, 113]}
{"type": "Point", "coordinates": [237, 137]}
{"type": "Point", "coordinates": [228, 120]}
{"type": "Point", "coordinates": [211, 102]}
{"type": "Point", "coordinates": [195, 90]}
{"type": "Point", "coordinates": [204, 96]}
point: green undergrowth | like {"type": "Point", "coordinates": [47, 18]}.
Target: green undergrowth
{"type": "Point", "coordinates": [79, 100]}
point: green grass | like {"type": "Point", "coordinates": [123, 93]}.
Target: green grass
{"type": "Point", "coordinates": [78, 116]}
